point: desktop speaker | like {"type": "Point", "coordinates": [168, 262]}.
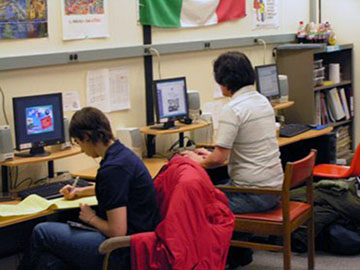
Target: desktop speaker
{"type": "Point", "coordinates": [6, 144]}
{"type": "Point", "coordinates": [284, 88]}
{"type": "Point", "coordinates": [204, 135]}
{"type": "Point", "coordinates": [194, 105]}
{"type": "Point", "coordinates": [131, 138]}
{"type": "Point", "coordinates": [67, 142]}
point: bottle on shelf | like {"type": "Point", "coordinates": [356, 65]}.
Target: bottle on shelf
{"type": "Point", "coordinates": [301, 33]}
{"type": "Point", "coordinates": [311, 32]}
{"type": "Point", "coordinates": [331, 34]}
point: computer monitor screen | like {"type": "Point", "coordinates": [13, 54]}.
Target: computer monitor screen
{"type": "Point", "coordinates": [170, 100]}
{"type": "Point", "coordinates": [267, 81]}
{"type": "Point", "coordinates": [38, 122]}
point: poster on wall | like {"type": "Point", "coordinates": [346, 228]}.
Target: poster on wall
{"type": "Point", "coordinates": [85, 19]}
{"type": "Point", "coordinates": [265, 14]}
{"type": "Point", "coordinates": [20, 19]}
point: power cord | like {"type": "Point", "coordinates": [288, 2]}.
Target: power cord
{"type": "Point", "coordinates": [259, 40]}
{"type": "Point", "coordinates": [153, 50]}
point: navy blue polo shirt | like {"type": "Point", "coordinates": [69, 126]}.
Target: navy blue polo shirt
{"type": "Point", "coordinates": [123, 180]}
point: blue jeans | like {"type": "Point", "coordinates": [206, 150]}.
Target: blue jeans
{"type": "Point", "coordinates": [241, 203]}
{"type": "Point", "coordinates": [55, 245]}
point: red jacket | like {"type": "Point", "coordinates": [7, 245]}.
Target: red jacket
{"type": "Point", "coordinates": [196, 226]}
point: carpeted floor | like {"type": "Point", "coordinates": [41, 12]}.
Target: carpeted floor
{"type": "Point", "coordinates": [264, 260]}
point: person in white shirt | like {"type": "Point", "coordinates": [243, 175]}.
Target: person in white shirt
{"type": "Point", "coordinates": [246, 136]}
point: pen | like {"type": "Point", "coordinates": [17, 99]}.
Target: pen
{"type": "Point", "coordinates": [75, 182]}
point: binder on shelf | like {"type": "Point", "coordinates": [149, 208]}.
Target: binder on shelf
{"type": "Point", "coordinates": [344, 103]}
{"type": "Point", "coordinates": [335, 104]}
{"type": "Point", "coordinates": [318, 109]}
{"type": "Point", "coordinates": [323, 109]}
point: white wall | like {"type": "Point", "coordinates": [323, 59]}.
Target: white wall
{"type": "Point", "coordinates": [344, 18]}
{"type": "Point", "coordinates": [124, 31]}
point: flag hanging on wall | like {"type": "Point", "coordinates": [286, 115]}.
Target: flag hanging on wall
{"type": "Point", "coordinates": [189, 13]}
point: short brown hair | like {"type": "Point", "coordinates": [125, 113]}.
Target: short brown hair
{"type": "Point", "coordinates": [233, 70]}
{"type": "Point", "coordinates": [93, 123]}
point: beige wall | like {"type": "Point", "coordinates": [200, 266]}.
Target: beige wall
{"type": "Point", "coordinates": [197, 67]}
{"type": "Point", "coordinates": [344, 18]}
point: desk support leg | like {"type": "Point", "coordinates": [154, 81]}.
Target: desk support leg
{"type": "Point", "coordinates": [181, 139]}
{"type": "Point", "coordinates": [51, 169]}
{"type": "Point", "coordinates": [5, 178]}
{"type": "Point", "coordinates": [150, 145]}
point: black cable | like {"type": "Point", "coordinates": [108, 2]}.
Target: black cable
{"type": "Point", "coordinates": [23, 181]}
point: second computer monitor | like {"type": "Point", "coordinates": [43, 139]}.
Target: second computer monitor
{"type": "Point", "coordinates": [267, 81]}
{"type": "Point", "coordinates": [171, 100]}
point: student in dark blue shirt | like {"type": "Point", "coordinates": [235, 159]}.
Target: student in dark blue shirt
{"type": "Point", "coordinates": [126, 202]}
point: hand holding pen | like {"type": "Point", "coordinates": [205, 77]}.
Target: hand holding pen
{"type": "Point", "coordinates": [69, 191]}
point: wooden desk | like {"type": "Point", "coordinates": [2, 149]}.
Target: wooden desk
{"type": "Point", "coordinates": [304, 136]}
{"type": "Point", "coordinates": [152, 164]}
{"type": "Point", "coordinates": [17, 161]}
{"type": "Point", "coordinates": [156, 132]}
{"type": "Point", "coordinates": [7, 221]}
{"type": "Point", "coordinates": [285, 141]}
{"type": "Point", "coordinates": [283, 105]}
{"type": "Point", "coordinates": [182, 128]}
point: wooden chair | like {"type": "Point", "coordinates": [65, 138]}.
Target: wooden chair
{"type": "Point", "coordinates": [196, 223]}
{"type": "Point", "coordinates": [287, 217]}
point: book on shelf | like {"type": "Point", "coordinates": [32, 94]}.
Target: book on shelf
{"type": "Point", "coordinates": [335, 104]}
{"type": "Point", "coordinates": [344, 103]}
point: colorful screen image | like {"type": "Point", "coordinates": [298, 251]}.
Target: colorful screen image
{"type": "Point", "coordinates": [39, 119]}
{"type": "Point", "coordinates": [84, 7]}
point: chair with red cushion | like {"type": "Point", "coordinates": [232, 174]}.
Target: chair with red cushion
{"type": "Point", "coordinates": [339, 171]}
{"type": "Point", "coordinates": [285, 218]}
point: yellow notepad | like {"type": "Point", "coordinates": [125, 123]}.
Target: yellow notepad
{"type": "Point", "coordinates": [35, 204]}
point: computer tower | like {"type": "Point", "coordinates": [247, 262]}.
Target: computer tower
{"type": "Point", "coordinates": [131, 138]}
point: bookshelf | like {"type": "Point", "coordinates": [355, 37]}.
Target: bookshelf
{"type": "Point", "coordinates": [312, 102]}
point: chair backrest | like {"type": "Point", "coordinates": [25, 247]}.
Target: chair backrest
{"type": "Point", "coordinates": [299, 171]}
{"type": "Point", "coordinates": [354, 169]}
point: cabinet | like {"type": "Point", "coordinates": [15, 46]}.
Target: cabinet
{"type": "Point", "coordinates": [299, 65]}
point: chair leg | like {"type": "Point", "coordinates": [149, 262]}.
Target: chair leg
{"type": "Point", "coordinates": [287, 249]}
{"type": "Point", "coordinates": [311, 243]}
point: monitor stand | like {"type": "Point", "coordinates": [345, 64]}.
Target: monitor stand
{"type": "Point", "coordinates": [167, 125]}
{"type": "Point", "coordinates": [34, 152]}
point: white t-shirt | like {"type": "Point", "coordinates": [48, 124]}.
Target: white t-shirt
{"type": "Point", "coordinates": [247, 127]}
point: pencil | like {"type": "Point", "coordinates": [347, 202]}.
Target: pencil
{"type": "Point", "coordinates": [75, 182]}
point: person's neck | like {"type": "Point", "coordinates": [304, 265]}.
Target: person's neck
{"type": "Point", "coordinates": [102, 148]}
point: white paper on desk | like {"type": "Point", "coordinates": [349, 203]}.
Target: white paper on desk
{"type": "Point", "coordinates": [119, 89]}
{"type": "Point", "coordinates": [98, 89]}
{"type": "Point", "coordinates": [217, 91]}
{"type": "Point", "coordinates": [71, 101]}
{"type": "Point", "coordinates": [214, 108]}
{"type": "Point", "coordinates": [91, 20]}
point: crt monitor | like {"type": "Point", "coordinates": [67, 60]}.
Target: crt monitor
{"type": "Point", "coordinates": [267, 81]}
{"type": "Point", "coordinates": [170, 101]}
{"type": "Point", "coordinates": [38, 122]}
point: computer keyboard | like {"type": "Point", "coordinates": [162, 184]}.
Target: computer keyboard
{"type": "Point", "coordinates": [51, 190]}
{"type": "Point", "coordinates": [291, 130]}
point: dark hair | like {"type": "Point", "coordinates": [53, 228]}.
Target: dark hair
{"type": "Point", "coordinates": [92, 123]}
{"type": "Point", "coordinates": [234, 70]}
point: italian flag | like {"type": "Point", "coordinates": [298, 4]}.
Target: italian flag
{"type": "Point", "coordinates": [189, 13]}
